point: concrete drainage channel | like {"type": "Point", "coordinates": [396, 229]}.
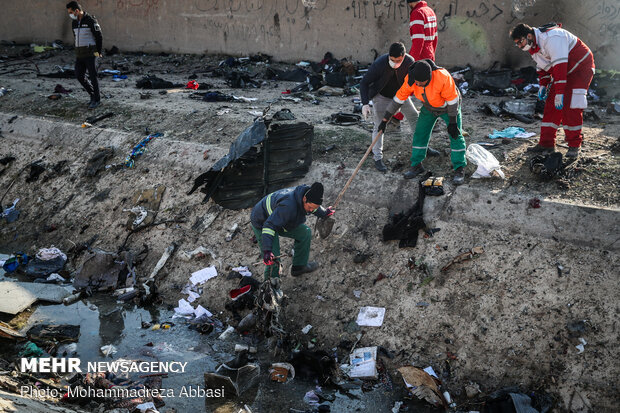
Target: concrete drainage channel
{"type": "Point", "coordinates": [62, 212]}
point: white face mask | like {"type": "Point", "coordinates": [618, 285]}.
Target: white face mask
{"type": "Point", "coordinates": [73, 16]}
{"type": "Point", "coordinates": [394, 65]}
{"type": "Point", "coordinates": [527, 47]}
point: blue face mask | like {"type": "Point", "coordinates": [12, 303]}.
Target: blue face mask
{"type": "Point", "coordinates": [73, 17]}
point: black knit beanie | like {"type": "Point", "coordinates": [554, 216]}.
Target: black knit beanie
{"type": "Point", "coordinates": [421, 71]}
{"type": "Point", "coordinates": [314, 195]}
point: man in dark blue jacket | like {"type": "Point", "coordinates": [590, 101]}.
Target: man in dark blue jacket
{"type": "Point", "coordinates": [88, 44]}
{"type": "Point", "coordinates": [384, 77]}
{"type": "Point", "coordinates": [283, 213]}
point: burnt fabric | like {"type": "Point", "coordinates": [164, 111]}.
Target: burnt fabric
{"type": "Point", "coordinates": [153, 82]}
{"type": "Point", "coordinates": [547, 166]}
{"type": "Point", "coordinates": [238, 80]}
{"type": "Point", "coordinates": [405, 226]}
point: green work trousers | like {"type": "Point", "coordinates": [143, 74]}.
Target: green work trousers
{"type": "Point", "coordinates": [303, 238]}
{"type": "Point", "coordinates": [422, 135]}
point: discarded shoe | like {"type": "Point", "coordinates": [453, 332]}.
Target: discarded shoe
{"type": "Point", "coordinates": [573, 152]}
{"type": "Point", "coordinates": [539, 149]}
{"type": "Point", "coordinates": [432, 152]}
{"type": "Point", "coordinates": [298, 270]}
{"type": "Point", "coordinates": [94, 104]}
{"type": "Point", "coordinates": [238, 292]}
{"type": "Point", "coordinates": [414, 171]}
{"type": "Point", "coordinates": [459, 176]}
{"type": "Point", "coordinates": [380, 166]}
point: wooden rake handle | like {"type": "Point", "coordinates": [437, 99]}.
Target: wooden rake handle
{"type": "Point", "coordinates": [359, 165]}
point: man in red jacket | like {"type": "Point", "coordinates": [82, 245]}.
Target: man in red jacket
{"type": "Point", "coordinates": [565, 69]}
{"type": "Point", "coordinates": [423, 30]}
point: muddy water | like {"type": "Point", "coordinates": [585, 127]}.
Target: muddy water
{"type": "Point", "coordinates": [103, 321]}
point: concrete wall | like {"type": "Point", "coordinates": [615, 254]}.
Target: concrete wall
{"type": "Point", "coordinates": [471, 31]}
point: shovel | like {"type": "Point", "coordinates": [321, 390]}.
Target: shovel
{"type": "Point", "coordinates": [324, 225]}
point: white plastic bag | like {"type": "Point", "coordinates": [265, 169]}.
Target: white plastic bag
{"type": "Point", "coordinates": [488, 165]}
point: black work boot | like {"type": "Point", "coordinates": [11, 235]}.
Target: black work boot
{"type": "Point", "coordinates": [432, 152]}
{"type": "Point", "coordinates": [539, 149]}
{"type": "Point", "coordinates": [414, 171]}
{"type": "Point", "coordinates": [380, 166]}
{"type": "Point", "coordinates": [573, 153]}
{"type": "Point", "coordinates": [459, 176]}
{"type": "Point", "coordinates": [298, 270]}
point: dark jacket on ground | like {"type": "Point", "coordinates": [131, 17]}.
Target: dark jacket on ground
{"type": "Point", "coordinates": [87, 35]}
{"type": "Point", "coordinates": [379, 74]}
{"type": "Point", "coordinates": [282, 210]}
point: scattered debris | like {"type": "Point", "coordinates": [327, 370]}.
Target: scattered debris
{"type": "Point", "coordinates": [91, 120]}
{"type": "Point", "coordinates": [473, 253]}
{"type": "Point", "coordinates": [472, 390]}
{"type": "Point", "coordinates": [581, 347]}
{"type": "Point", "coordinates": [17, 296]}
{"type": "Point", "coordinates": [198, 253]}
{"type": "Point", "coordinates": [235, 381]}
{"type": "Point", "coordinates": [488, 165]}
{"type": "Point", "coordinates": [534, 203]}
{"type": "Point", "coordinates": [234, 230]}
{"type": "Point", "coordinates": [433, 186]}
{"type": "Point", "coordinates": [281, 372]}
{"type": "Point", "coordinates": [103, 270]}
{"type": "Point", "coordinates": [146, 200]}
{"type": "Point", "coordinates": [162, 261]}
{"type": "Point", "coordinates": [98, 161]}
{"type": "Point", "coordinates": [345, 119]}
{"type": "Point", "coordinates": [65, 333]}
{"type": "Point", "coordinates": [371, 316]}
{"type": "Point", "coordinates": [405, 226]}
{"type": "Point", "coordinates": [201, 276]}
{"type": "Point", "coordinates": [154, 82]}
{"type": "Point", "coordinates": [236, 185]}
{"type": "Point", "coordinates": [11, 214]}
{"type": "Point", "coordinates": [547, 166]}
{"type": "Point", "coordinates": [7, 332]}
{"type": "Point", "coordinates": [511, 132]}
{"type": "Point", "coordinates": [139, 149]}
{"type": "Point", "coordinates": [46, 262]}
{"type": "Point", "coordinates": [284, 114]}
{"type": "Point", "coordinates": [423, 385]}
{"type": "Point", "coordinates": [363, 363]}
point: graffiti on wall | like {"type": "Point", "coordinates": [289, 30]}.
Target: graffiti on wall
{"type": "Point", "coordinates": [290, 7]}
{"type": "Point", "coordinates": [137, 8]}
{"type": "Point", "coordinates": [244, 20]}
{"type": "Point", "coordinates": [606, 17]}
{"type": "Point", "coordinates": [483, 12]}
{"type": "Point", "coordinates": [396, 10]}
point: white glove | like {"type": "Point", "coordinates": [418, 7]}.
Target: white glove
{"type": "Point", "coordinates": [366, 111]}
{"type": "Point", "coordinates": [559, 102]}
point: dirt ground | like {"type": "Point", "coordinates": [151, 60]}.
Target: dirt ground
{"type": "Point", "coordinates": [508, 317]}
